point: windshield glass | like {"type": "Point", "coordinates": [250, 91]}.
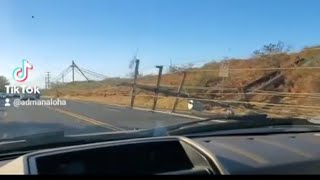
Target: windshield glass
{"type": "Point", "coordinates": [92, 66]}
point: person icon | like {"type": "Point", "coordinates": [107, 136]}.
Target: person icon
{"type": "Point", "coordinates": [7, 104]}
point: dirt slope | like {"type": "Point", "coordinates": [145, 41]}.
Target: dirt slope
{"type": "Point", "coordinates": [294, 82]}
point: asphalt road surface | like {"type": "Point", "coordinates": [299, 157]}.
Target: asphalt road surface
{"type": "Point", "coordinates": [78, 118]}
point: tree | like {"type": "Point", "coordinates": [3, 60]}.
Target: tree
{"type": "Point", "coordinates": [272, 49]}
{"type": "Point", "coordinates": [273, 52]}
{"type": "Point", "coordinates": [3, 82]}
{"type": "Point", "coordinates": [173, 69]}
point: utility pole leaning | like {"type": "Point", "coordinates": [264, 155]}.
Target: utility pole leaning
{"type": "Point", "coordinates": [73, 65]}
{"type": "Point", "coordinates": [155, 99]}
{"type": "Point", "coordinates": [179, 91]}
{"type": "Point", "coordinates": [133, 92]}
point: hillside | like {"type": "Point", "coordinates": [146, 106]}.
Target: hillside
{"type": "Point", "coordinates": [294, 87]}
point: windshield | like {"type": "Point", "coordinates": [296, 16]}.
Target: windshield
{"type": "Point", "coordinates": [84, 67]}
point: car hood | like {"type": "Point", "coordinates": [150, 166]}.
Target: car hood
{"type": "Point", "coordinates": [245, 154]}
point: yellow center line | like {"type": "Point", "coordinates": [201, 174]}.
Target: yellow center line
{"type": "Point", "coordinates": [89, 120]}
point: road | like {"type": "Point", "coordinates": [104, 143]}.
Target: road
{"type": "Point", "coordinates": [78, 118]}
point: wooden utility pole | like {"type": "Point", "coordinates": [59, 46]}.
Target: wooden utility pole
{"type": "Point", "coordinates": [179, 91]}
{"type": "Point", "coordinates": [48, 80]}
{"type": "Point", "coordinates": [45, 82]}
{"type": "Point", "coordinates": [72, 71]}
{"type": "Point", "coordinates": [155, 99]}
{"type": "Point", "coordinates": [133, 92]}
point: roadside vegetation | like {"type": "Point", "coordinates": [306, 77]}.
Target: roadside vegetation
{"type": "Point", "coordinates": [242, 71]}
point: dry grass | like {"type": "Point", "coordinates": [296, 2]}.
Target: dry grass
{"type": "Point", "coordinates": [295, 81]}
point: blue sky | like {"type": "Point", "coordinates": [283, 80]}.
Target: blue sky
{"type": "Point", "coordinates": [103, 35]}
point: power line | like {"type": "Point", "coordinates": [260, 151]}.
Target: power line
{"type": "Point", "coordinates": [93, 73]}
{"type": "Point", "coordinates": [84, 73]}
{"type": "Point", "coordinates": [191, 62]}
{"type": "Point", "coordinates": [250, 69]}
{"type": "Point", "coordinates": [62, 74]}
{"type": "Point", "coordinates": [237, 102]}
{"type": "Point", "coordinates": [179, 64]}
{"type": "Point", "coordinates": [80, 71]}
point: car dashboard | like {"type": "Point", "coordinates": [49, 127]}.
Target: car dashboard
{"type": "Point", "coordinates": [273, 154]}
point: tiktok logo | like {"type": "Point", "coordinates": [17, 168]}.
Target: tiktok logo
{"type": "Point", "coordinates": [20, 74]}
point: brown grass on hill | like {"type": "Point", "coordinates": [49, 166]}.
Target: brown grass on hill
{"type": "Point", "coordinates": [295, 81]}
